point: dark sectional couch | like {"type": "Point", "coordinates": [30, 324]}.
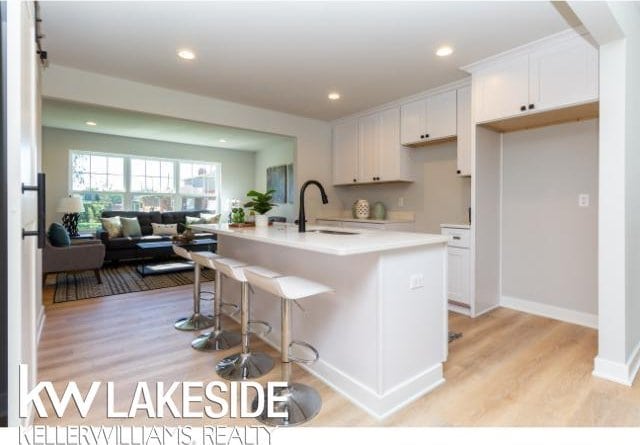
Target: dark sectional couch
{"type": "Point", "coordinates": [125, 248]}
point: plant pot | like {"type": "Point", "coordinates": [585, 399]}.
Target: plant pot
{"type": "Point", "coordinates": [262, 221]}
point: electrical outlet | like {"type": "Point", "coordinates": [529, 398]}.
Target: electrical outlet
{"type": "Point", "coordinates": [583, 200]}
{"type": "Point", "coordinates": [416, 281]}
{"type": "Point", "coordinates": [401, 201]}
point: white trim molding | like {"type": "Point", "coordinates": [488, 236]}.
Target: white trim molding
{"type": "Point", "coordinates": [623, 373]}
{"type": "Point", "coordinates": [545, 310]}
{"type": "Point", "coordinates": [41, 318]}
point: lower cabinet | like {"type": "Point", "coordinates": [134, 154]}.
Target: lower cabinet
{"type": "Point", "coordinates": [459, 266]}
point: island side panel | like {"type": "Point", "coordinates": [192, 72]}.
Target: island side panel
{"type": "Point", "coordinates": [413, 321]}
{"type": "Point", "coordinates": [342, 326]}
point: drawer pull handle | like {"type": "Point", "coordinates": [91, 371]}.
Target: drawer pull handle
{"type": "Point", "coordinates": [456, 237]}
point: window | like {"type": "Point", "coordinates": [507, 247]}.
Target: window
{"type": "Point", "coordinates": [116, 182]}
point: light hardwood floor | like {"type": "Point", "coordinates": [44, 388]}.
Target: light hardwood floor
{"type": "Point", "coordinates": [508, 369]}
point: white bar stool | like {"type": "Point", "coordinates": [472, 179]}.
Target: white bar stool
{"type": "Point", "coordinates": [196, 321]}
{"type": "Point", "coordinates": [217, 339]}
{"type": "Point", "coordinates": [245, 364]}
{"type": "Point", "coordinates": [302, 402]}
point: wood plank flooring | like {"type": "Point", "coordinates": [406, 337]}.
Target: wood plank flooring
{"type": "Point", "coordinates": [508, 369]}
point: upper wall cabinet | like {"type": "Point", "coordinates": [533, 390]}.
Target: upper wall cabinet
{"type": "Point", "coordinates": [368, 150]}
{"type": "Point", "coordinates": [464, 131]}
{"type": "Point", "coordinates": [559, 74]}
{"type": "Point", "coordinates": [429, 119]}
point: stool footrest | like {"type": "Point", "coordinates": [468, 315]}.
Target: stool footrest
{"type": "Point", "coordinates": [235, 307]}
{"type": "Point", "coordinates": [314, 351]}
{"type": "Point", "coordinates": [263, 323]}
{"type": "Point", "coordinates": [213, 295]}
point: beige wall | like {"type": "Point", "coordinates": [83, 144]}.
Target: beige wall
{"type": "Point", "coordinates": [238, 174]}
{"type": "Point", "coordinates": [437, 195]}
{"type": "Point", "coordinates": [549, 243]}
{"type": "Point", "coordinates": [270, 157]}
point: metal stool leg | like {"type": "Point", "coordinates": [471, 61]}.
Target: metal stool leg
{"type": "Point", "coordinates": [246, 364]}
{"type": "Point", "coordinates": [196, 321]}
{"type": "Point", "coordinates": [217, 339]}
{"type": "Point", "coordinates": [302, 402]}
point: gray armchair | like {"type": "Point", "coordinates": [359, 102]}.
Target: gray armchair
{"type": "Point", "coordinates": [81, 255]}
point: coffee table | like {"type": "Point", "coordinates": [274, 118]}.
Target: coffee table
{"type": "Point", "coordinates": [165, 249]}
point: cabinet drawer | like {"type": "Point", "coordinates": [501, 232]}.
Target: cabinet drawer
{"type": "Point", "coordinates": [457, 237]}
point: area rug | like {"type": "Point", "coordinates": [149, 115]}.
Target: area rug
{"type": "Point", "coordinates": [120, 279]}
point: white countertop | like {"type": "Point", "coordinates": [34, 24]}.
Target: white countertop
{"type": "Point", "coordinates": [366, 241]}
{"type": "Point", "coordinates": [374, 221]}
{"type": "Point", "coordinates": [456, 226]}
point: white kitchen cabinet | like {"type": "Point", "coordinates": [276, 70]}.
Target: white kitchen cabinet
{"type": "Point", "coordinates": [345, 152]}
{"type": "Point", "coordinates": [429, 119]}
{"type": "Point", "coordinates": [458, 276]}
{"type": "Point", "coordinates": [563, 74]}
{"type": "Point", "coordinates": [464, 131]}
{"type": "Point", "coordinates": [368, 150]}
{"type": "Point", "coordinates": [556, 75]}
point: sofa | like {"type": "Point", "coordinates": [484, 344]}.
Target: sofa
{"type": "Point", "coordinates": [80, 255]}
{"type": "Point", "coordinates": [125, 248]}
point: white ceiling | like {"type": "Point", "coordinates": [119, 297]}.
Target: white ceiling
{"type": "Point", "coordinates": [287, 56]}
{"type": "Point", "coordinates": [72, 116]}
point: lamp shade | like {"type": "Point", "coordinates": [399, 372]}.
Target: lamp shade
{"type": "Point", "coordinates": [70, 204]}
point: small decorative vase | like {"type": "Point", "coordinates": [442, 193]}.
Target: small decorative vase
{"type": "Point", "coordinates": [262, 220]}
{"type": "Point", "coordinates": [362, 209]}
{"type": "Point", "coordinates": [378, 211]}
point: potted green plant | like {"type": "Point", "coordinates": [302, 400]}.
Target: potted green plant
{"type": "Point", "coordinates": [260, 204]}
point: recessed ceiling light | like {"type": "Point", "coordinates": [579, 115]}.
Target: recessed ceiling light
{"type": "Point", "coordinates": [334, 96]}
{"type": "Point", "coordinates": [91, 123]}
{"type": "Point", "coordinates": [222, 140]}
{"type": "Point", "coordinates": [186, 54]}
{"type": "Point", "coordinates": [444, 51]}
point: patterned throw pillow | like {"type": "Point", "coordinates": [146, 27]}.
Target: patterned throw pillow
{"type": "Point", "coordinates": [210, 218]}
{"type": "Point", "coordinates": [112, 226]}
{"type": "Point", "coordinates": [164, 229]}
{"type": "Point", "coordinates": [131, 227]}
{"type": "Point", "coordinates": [194, 220]}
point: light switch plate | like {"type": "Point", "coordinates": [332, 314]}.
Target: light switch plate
{"type": "Point", "coordinates": [416, 281]}
{"type": "Point", "coordinates": [583, 200]}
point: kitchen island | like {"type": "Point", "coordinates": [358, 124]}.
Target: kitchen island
{"type": "Point", "coordinates": [382, 336]}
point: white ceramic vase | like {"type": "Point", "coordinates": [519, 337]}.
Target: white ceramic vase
{"type": "Point", "coordinates": [362, 209]}
{"type": "Point", "coordinates": [262, 220]}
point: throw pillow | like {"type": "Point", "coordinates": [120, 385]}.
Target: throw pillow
{"type": "Point", "coordinates": [210, 218]}
{"type": "Point", "coordinates": [112, 226]}
{"type": "Point", "coordinates": [164, 229]}
{"type": "Point", "coordinates": [194, 220]}
{"type": "Point", "coordinates": [131, 227]}
{"type": "Point", "coordinates": [58, 236]}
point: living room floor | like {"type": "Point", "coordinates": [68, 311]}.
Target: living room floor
{"type": "Point", "coordinates": [509, 368]}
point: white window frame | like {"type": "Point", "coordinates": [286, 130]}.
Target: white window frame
{"type": "Point", "coordinates": [128, 194]}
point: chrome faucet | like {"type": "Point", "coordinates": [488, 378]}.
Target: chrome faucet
{"type": "Point", "coordinates": [302, 226]}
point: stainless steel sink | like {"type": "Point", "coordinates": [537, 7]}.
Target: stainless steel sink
{"type": "Point", "coordinates": [332, 232]}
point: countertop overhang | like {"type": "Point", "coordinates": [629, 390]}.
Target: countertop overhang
{"type": "Point", "coordinates": [364, 241]}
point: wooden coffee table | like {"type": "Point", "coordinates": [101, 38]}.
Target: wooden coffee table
{"type": "Point", "coordinates": [149, 266]}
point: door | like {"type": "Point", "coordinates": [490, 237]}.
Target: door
{"type": "Point", "coordinates": [345, 152]}
{"type": "Point", "coordinates": [369, 143]}
{"type": "Point", "coordinates": [564, 74]}
{"type": "Point", "coordinates": [441, 116]}
{"type": "Point", "coordinates": [413, 122]}
{"type": "Point", "coordinates": [458, 276]}
{"type": "Point", "coordinates": [22, 165]}
{"type": "Point", "coordinates": [501, 90]}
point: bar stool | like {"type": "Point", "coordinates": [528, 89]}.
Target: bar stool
{"type": "Point", "coordinates": [196, 321]}
{"type": "Point", "coordinates": [217, 339]}
{"type": "Point", "coordinates": [245, 364]}
{"type": "Point", "coordinates": [302, 402]}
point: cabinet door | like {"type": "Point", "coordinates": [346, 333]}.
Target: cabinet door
{"type": "Point", "coordinates": [345, 152]}
{"type": "Point", "coordinates": [501, 90]}
{"type": "Point", "coordinates": [458, 275]}
{"type": "Point", "coordinates": [441, 116]}
{"type": "Point", "coordinates": [369, 142]}
{"type": "Point", "coordinates": [413, 122]}
{"type": "Point", "coordinates": [391, 156]}
{"type": "Point", "coordinates": [464, 131]}
{"type": "Point", "coordinates": [563, 74]}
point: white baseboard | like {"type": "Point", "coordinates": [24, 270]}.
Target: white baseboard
{"type": "Point", "coordinates": [487, 310]}
{"type": "Point", "coordinates": [546, 310]}
{"type": "Point", "coordinates": [623, 373]}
